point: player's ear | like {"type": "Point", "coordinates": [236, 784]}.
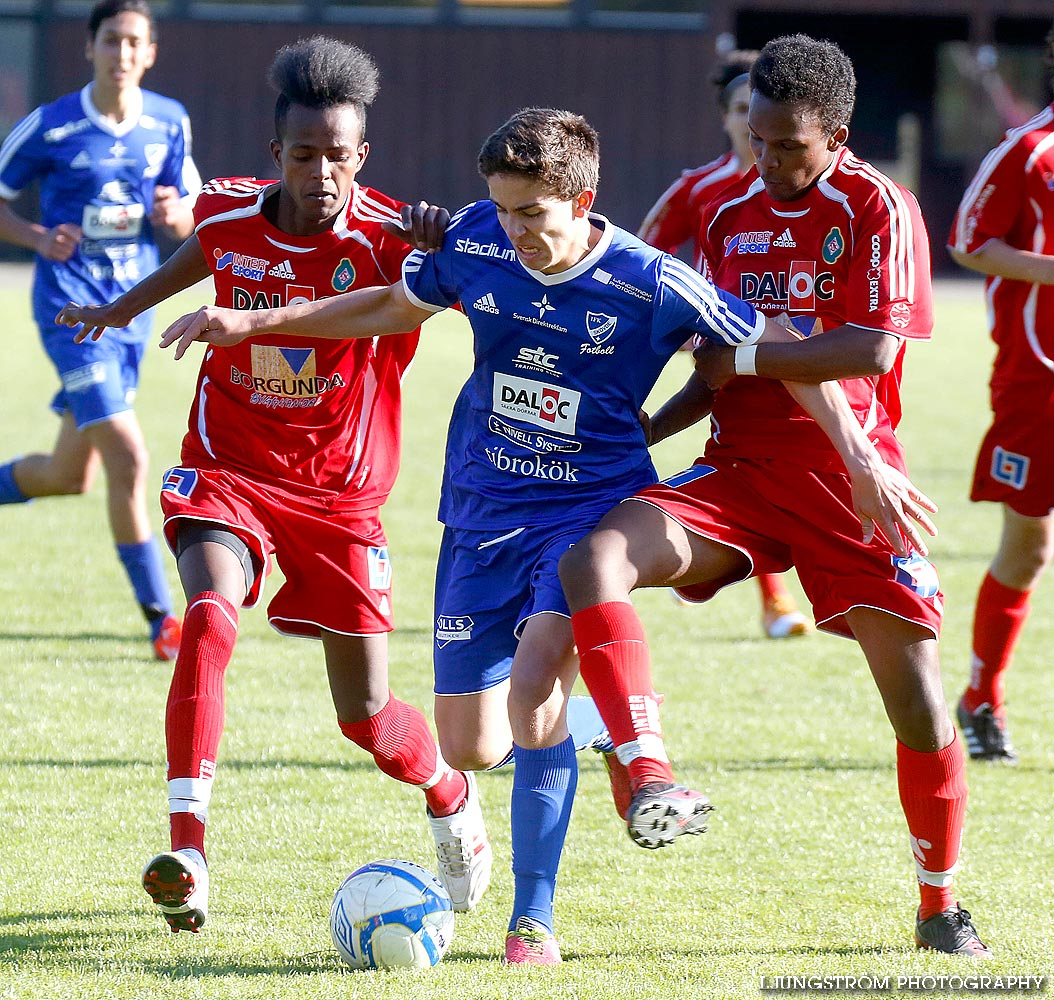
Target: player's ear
{"type": "Point", "coordinates": [583, 202]}
{"type": "Point", "coordinates": [838, 138]}
{"type": "Point", "coordinates": [151, 56]}
{"type": "Point", "coordinates": [276, 153]}
{"type": "Point", "coordinates": [364, 151]}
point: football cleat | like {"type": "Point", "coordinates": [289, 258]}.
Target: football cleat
{"type": "Point", "coordinates": [166, 645]}
{"type": "Point", "coordinates": [782, 620]}
{"type": "Point", "coordinates": [529, 943]}
{"type": "Point", "coordinates": [985, 734]}
{"type": "Point", "coordinates": [179, 886]}
{"type": "Point", "coordinates": [463, 850]}
{"type": "Point", "coordinates": [661, 812]}
{"type": "Point", "coordinates": [951, 932]}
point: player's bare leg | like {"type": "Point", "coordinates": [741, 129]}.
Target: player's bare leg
{"type": "Point", "coordinates": [71, 468]}
{"type": "Point", "coordinates": [401, 743]}
{"type": "Point", "coordinates": [636, 545]}
{"type": "Point", "coordinates": [1026, 548]}
{"type": "Point", "coordinates": [904, 662]}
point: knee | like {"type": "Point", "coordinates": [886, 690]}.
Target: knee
{"type": "Point", "coordinates": [582, 564]}
{"type": "Point", "coordinates": [467, 755]}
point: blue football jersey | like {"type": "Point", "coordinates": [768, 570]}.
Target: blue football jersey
{"type": "Point", "coordinates": [99, 175]}
{"type": "Point", "coordinates": [563, 364]}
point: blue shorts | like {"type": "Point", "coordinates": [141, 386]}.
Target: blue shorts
{"type": "Point", "coordinates": [488, 583]}
{"type": "Point", "coordinates": [99, 378]}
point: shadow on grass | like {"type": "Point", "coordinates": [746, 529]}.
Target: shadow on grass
{"type": "Point", "coordinates": [831, 764]}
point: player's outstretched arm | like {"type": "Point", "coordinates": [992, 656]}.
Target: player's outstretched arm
{"type": "Point", "coordinates": [184, 268]}
{"type": "Point", "coordinates": [1001, 260]}
{"type": "Point", "coordinates": [365, 312]}
{"type": "Point", "coordinates": [686, 407]}
{"type": "Point", "coordinates": [883, 498]}
{"type": "Point", "coordinates": [422, 226]}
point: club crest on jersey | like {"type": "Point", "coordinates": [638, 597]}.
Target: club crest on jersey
{"type": "Point", "coordinates": [600, 326]}
{"type": "Point", "coordinates": [453, 628]}
{"type": "Point", "coordinates": [344, 275]}
{"type": "Point", "coordinates": [833, 246]}
{"type": "Point", "coordinates": [1009, 468]}
{"type": "Point", "coordinates": [380, 566]}
{"type": "Point", "coordinates": [241, 264]}
{"type": "Point", "coordinates": [180, 481]}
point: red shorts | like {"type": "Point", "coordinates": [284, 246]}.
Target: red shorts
{"type": "Point", "coordinates": [1015, 464]}
{"type": "Point", "coordinates": [781, 515]}
{"type": "Point", "coordinates": [338, 574]}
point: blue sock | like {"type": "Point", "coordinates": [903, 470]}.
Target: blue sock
{"type": "Point", "coordinates": [9, 491]}
{"type": "Point", "coordinates": [586, 727]}
{"type": "Point", "coordinates": [142, 562]}
{"type": "Point", "coordinates": [542, 792]}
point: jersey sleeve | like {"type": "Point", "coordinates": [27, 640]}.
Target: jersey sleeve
{"type": "Point", "coordinates": [22, 155]}
{"type": "Point", "coordinates": [688, 303]}
{"type": "Point", "coordinates": [429, 278]}
{"type": "Point", "coordinates": [889, 284]}
{"type": "Point", "coordinates": [670, 223]}
{"type": "Point", "coordinates": [993, 200]}
{"type": "Point", "coordinates": [180, 170]}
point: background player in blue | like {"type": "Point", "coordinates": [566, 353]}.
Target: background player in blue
{"type": "Point", "coordinates": [573, 319]}
{"type": "Point", "coordinates": [114, 166]}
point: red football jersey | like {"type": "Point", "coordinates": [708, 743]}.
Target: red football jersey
{"type": "Point", "coordinates": [1011, 198]}
{"type": "Point", "coordinates": [675, 218]}
{"type": "Point", "coordinates": [854, 250]}
{"type": "Point", "coordinates": [319, 419]}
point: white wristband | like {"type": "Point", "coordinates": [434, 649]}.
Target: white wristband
{"type": "Point", "coordinates": [744, 359]}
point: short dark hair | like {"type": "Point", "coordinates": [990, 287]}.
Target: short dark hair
{"type": "Point", "coordinates": [105, 9]}
{"type": "Point", "coordinates": [733, 66]}
{"type": "Point", "coordinates": [797, 69]}
{"type": "Point", "coordinates": [322, 72]}
{"type": "Point", "coordinates": [559, 149]}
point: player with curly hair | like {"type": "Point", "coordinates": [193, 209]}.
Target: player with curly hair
{"type": "Point", "coordinates": [291, 449]}
{"type": "Point", "coordinates": [673, 223]}
{"type": "Point", "coordinates": [1004, 229]}
{"type": "Point", "coordinates": [834, 248]}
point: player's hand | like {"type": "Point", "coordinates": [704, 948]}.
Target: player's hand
{"type": "Point", "coordinates": [886, 500]}
{"type": "Point", "coordinates": [60, 242]}
{"type": "Point", "coordinates": [168, 208]}
{"type": "Point", "coordinates": [715, 363]}
{"type": "Point", "coordinates": [210, 324]}
{"type": "Point", "coordinates": [422, 226]}
{"type": "Point", "coordinates": [95, 319]}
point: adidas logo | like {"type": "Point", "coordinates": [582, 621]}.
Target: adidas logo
{"type": "Point", "coordinates": [784, 239]}
{"type": "Point", "coordinates": [283, 270]}
{"type": "Point", "coordinates": [81, 161]}
{"type": "Point", "coordinates": [486, 304]}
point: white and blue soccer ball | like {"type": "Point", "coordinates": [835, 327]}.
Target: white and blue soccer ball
{"type": "Point", "coordinates": [391, 915]}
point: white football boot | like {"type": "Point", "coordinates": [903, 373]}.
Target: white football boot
{"type": "Point", "coordinates": [463, 850]}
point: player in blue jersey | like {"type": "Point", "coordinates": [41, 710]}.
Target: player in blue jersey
{"type": "Point", "coordinates": [114, 167]}
{"type": "Point", "coordinates": [573, 319]}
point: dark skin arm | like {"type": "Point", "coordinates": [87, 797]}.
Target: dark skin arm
{"type": "Point", "coordinates": [185, 267]}
{"type": "Point", "coordinates": [844, 352]}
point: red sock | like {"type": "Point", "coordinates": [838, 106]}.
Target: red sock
{"type": "Point", "coordinates": [933, 795]}
{"type": "Point", "coordinates": [616, 667]}
{"type": "Point", "coordinates": [999, 617]}
{"type": "Point", "coordinates": [771, 585]}
{"type": "Point", "coordinates": [401, 743]}
{"type": "Point", "coordinates": [194, 714]}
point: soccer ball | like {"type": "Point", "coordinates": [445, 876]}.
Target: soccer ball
{"type": "Point", "coordinates": [391, 914]}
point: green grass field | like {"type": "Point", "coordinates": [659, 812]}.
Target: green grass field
{"type": "Point", "coordinates": [805, 871]}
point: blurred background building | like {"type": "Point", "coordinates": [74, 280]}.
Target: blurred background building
{"type": "Point", "coordinates": [939, 80]}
